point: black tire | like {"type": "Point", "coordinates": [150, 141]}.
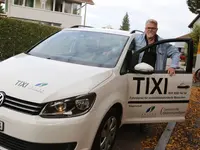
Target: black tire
{"type": "Point", "coordinates": [97, 140]}
{"type": "Point", "coordinates": [197, 74]}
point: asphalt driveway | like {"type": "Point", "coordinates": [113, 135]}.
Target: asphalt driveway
{"type": "Point", "coordinates": [129, 137]}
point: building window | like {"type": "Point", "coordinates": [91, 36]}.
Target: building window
{"type": "Point", "coordinates": [51, 5]}
{"type": "Point", "coordinates": [29, 3]}
{"type": "Point", "coordinates": [6, 6]}
{"type": "Point", "coordinates": [18, 2]}
{"type": "Point", "coordinates": [76, 8]}
{"type": "Point", "coordinates": [68, 7]}
{"type": "Point", "coordinates": [59, 5]}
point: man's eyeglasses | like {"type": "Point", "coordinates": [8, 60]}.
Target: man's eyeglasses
{"type": "Point", "coordinates": [151, 28]}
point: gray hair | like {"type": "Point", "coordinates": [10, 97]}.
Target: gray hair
{"type": "Point", "coordinates": [152, 21]}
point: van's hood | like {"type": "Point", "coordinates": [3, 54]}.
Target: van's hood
{"type": "Point", "coordinates": [41, 80]}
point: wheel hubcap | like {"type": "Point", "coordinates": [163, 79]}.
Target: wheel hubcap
{"type": "Point", "coordinates": [108, 133]}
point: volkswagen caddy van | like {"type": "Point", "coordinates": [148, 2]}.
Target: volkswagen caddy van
{"type": "Point", "coordinates": [76, 88]}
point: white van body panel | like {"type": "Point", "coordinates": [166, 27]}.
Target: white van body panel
{"type": "Point", "coordinates": [41, 80]}
{"type": "Point", "coordinates": [62, 78]}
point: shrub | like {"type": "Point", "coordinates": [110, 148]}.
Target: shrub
{"type": "Point", "coordinates": [195, 35]}
{"type": "Point", "coordinates": [17, 36]}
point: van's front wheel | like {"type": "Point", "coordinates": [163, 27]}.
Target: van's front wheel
{"type": "Point", "coordinates": [107, 132]}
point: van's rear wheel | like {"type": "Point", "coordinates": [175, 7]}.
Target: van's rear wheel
{"type": "Point", "coordinates": [107, 131]}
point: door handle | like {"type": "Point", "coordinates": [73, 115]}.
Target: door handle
{"type": "Point", "coordinates": [183, 86]}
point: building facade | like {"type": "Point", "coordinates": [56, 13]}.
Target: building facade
{"type": "Point", "coordinates": [196, 20]}
{"type": "Point", "coordinates": [61, 13]}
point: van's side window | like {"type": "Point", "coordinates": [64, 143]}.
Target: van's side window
{"type": "Point", "coordinates": [183, 49]}
{"type": "Point", "coordinates": [160, 56]}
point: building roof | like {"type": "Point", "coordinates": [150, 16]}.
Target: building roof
{"type": "Point", "coordinates": [182, 44]}
{"type": "Point", "coordinates": [184, 36]}
{"type": "Point", "coordinates": [82, 1]}
{"type": "Point", "coordinates": [195, 19]}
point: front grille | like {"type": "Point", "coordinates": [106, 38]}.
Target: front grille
{"type": "Point", "coordinates": [22, 105]}
{"type": "Point", "coordinates": [12, 143]}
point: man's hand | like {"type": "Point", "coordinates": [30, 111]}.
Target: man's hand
{"type": "Point", "coordinates": [171, 71]}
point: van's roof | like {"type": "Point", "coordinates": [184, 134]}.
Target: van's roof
{"type": "Point", "coordinates": [102, 30]}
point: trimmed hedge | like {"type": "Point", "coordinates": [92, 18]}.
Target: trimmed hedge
{"type": "Point", "coordinates": [17, 36]}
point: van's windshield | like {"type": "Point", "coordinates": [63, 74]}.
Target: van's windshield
{"type": "Point", "coordinates": [82, 47]}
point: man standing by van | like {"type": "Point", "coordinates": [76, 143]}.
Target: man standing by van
{"type": "Point", "coordinates": [156, 57]}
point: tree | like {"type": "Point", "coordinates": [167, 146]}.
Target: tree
{"type": "Point", "coordinates": [195, 35]}
{"type": "Point", "coordinates": [193, 5]}
{"type": "Point", "coordinates": [1, 9]}
{"type": "Point", "coordinates": [125, 23]}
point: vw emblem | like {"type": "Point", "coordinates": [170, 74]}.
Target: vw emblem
{"type": "Point", "coordinates": [2, 97]}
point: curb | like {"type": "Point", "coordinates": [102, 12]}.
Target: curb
{"type": "Point", "coordinates": [164, 139]}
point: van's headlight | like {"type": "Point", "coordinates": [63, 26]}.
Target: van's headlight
{"type": "Point", "coordinates": [70, 107]}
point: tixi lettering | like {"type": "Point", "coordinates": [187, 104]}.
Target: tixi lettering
{"type": "Point", "coordinates": [22, 83]}
{"type": "Point", "coordinates": [142, 80]}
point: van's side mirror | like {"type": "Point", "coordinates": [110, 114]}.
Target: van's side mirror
{"type": "Point", "coordinates": [143, 68]}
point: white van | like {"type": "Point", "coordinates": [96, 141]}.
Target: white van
{"type": "Point", "coordinates": [197, 66]}
{"type": "Point", "coordinates": [73, 91]}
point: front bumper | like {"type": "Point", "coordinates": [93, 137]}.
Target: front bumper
{"type": "Point", "coordinates": [27, 132]}
{"type": "Point", "coordinates": [12, 143]}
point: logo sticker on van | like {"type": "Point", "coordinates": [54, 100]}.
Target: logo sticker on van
{"type": "Point", "coordinates": [150, 109]}
{"type": "Point", "coordinates": [35, 87]}
{"type": "Point", "coordinates": [41, 84]}
{"type": "Point", "coordinates": [171, 111]}
{"type": "Point", "coordinates": [149, 112]}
